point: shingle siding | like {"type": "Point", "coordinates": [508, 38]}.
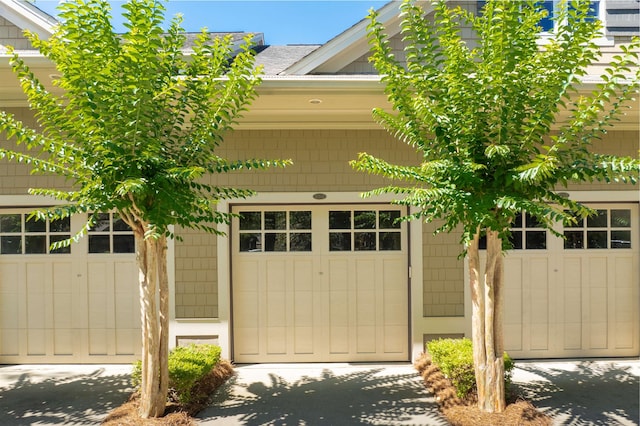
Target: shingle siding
{"type": "Point", "coordinates": [622, 17]}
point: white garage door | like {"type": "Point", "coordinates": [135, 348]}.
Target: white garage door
{"type": "Point", "coordinates": [77, 304]}
{"type": "Point", "coordinates": [577, 297]}
{"type": "Point", "coordinates": [319, 283]}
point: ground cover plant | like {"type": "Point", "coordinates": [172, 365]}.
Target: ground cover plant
{"type": "Point", "coordinates": [195, 372]}
{"type": "Point", "coordinates": [461, 408]}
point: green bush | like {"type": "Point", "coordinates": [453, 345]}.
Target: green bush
{"type": "Point", "coordinates": [187, 365]}
{"type": "Point", "coordinates": [454, 357]}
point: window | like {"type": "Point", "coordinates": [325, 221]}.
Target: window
{"type": "Point", "coordinates": [364, 230]}
{"type": "Point", "coordinates": [21, 235]}
{"type": "Point", "coordinates": [608, 228]}
{"type": "Point", "coordinates": [275, 231]}
{"type": "Point", "coordinates": [526, 234]}
{"type": "Point", "coordinates": [551, 6]}
{"type": "Point", "coordinates": [110, 234]}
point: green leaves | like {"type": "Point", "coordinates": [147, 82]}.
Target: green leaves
{"type": "Point", "coordinates": [138, 121]}
{"type": "Point", "coordinates": [480, 109]}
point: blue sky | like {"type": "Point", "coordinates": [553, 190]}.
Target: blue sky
{"type": "Point", "coordinates": [281, 21]}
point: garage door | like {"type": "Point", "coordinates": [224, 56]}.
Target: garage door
{"type": "Point", "coordinates": [76, 304]}
{"type": "Point", "coordinates": [319, 283]}
{"type": "Point", "coordinates": [576, 297]}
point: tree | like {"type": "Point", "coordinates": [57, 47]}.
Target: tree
{"type": "Point", "coordinates": [481, 114]}
{"type": "Point", "coordinates": [135, 131]}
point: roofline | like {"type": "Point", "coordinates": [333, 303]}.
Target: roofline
{"type": "Point", "coordinates": [352, 37]}
{"type": "Point", "coordinates": [28, 17]}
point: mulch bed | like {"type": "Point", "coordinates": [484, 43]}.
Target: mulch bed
{"type": "Point", "coordinates": [175, 414]}
{"type": "Point", "coordinates": [465, 412]}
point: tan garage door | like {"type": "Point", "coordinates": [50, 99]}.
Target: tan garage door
{"type": "Point", "coordinates": [576, 297]}
{"type": "Point", "coordinates": [78, 304]}
{"type": "Point", "coordinates": [319, 283]}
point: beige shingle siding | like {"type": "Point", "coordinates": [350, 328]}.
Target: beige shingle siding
{"type": "Point", "coordinates": [15, 178]}
{"type": "Point", "coordinates": [10, 35]}
{"type": "Point", "coordinates": [196, 288]}
{"type": "Point", "coordinates": [443, 273]}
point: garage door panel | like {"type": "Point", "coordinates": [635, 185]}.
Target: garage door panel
{"type": "Point", "coordinates": [36, 341]}
{"type": "Point", "coordinates": [10, 299]}
{"type": "Point", "coordinates": [276, 340]}
{"type": "Point", "coordinates": [343, 301]}
{"type": "Point", "coordinates": [63, 341]}
{"type": "Point", "coordinates": [598, 335]}
{"type": "Point", "coordinates": [365, 339]}
{"type": "Point", "coordinates": [572, 335]}
{"type": "Point", "coordinates": [9, 342]}
{"type": "Point", "coordinates": [37, 306]}
{"type": "Point", "coordinates": [394, 340]}
{"type": "Point", "coordinates": [62, 307]}
{"type": "Point", "coordinates": [339, 340]}
{"type": "Point", "coordinates": [127, 340]}
{"type": "Point", "coordinates": [98, 341]}
{"type": "Point", "coordinates": [303, 340]}
{"type": "Point", "coordinates": [580, 295]}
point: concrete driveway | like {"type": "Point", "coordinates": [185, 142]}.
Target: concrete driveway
{"type": "Point", "coordinates": [582, 392]}
{"type": "Point", "coordinates": [572, 392]}
{"type": "Point", "coordinates": [61, 394]}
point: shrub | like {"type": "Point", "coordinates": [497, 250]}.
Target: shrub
{"type": "Point", "coordinates": [187, 366]}
{"type": "Point", "coordinates": [454, 357]}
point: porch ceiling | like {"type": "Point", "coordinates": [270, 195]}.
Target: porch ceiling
{"type": "Point", "coordinates": [293, 102]}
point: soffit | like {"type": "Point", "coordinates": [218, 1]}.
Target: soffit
{"type": "Point", "coordinates": [289, 102]}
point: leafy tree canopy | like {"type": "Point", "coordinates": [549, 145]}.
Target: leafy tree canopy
{"type": "Point", "coordinates": [485, 113]}
{"type": "Point", "coordinates": [136, 123]}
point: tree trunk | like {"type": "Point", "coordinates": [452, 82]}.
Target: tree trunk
{"type": "Point", "coordinates": [487, 335]}
{"type": "Point", "coordinates": [154, 310]}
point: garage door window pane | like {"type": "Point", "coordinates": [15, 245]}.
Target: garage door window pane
{"type": "Point", "coordinates": [364, 220]}
{"type": "Point", "coordinates": [275, 220]}
{"type": "Point", "coordinates": [516, 240]}
{"type": "Point", "coordinates": [597, 239]}
{"type": "Point", "coordinates": [390, 241]}
{"type": "Point", "coordinates": [11, 244]}
{"type": "Point", "coordinates": [536, 240]}
{"type": "Point", "coordinates": [10, 223]}
{"type": "Point", "coordinates": [599, 220]}
{"type": "Point", "coordinates": [275, 242]}
{"type": "Point", "coordinates": [339, 220]}
{"type": "Point", "coordinates": [620, 239]}
{"type": "Point", "coordinates": [99, 244]}
{"type": "Point", "coordinates": [60, 225]}
{"type": "Point", "coordinates": [388, 219]}
{"type": "Point", "coordinates": [119, 224]}
{"type": "Point", "coordinates": [621, 218]}
{"type": "Point", "coordinates": [340, 241]}
{"type": "Point", "coordinates": [35, 244]}
{"type": "Point", "coordinates": [250, 221]}
{"type": "Point", "coordinates": [365, 241]}
{"type": "Point", "coordinates": [34, 225]}
{"type": "Point", "coordinates": [250, 242]}
{"type": "Point", "coordinates": [574, 239]}
{"type": "Point", "coordinates": [60, 237]}
{"type": "Point", "coordinates": [300, 241]}
{"type": "Point", "coordinates": [300, 220]}
{"type": "Point", "coordinates": [124, 244]}
{"type": "Point", "coordinates": [102, 222]}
